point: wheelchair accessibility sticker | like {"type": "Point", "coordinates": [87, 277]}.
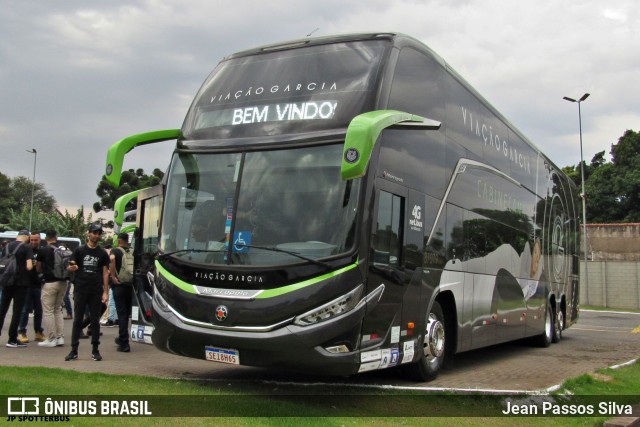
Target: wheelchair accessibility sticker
{"type": "Point", "coordinates": [241, 241]}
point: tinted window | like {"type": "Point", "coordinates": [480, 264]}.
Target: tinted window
{"type": "Point", "coordinates": [387, 239]}
{"type": "Point", "coordinates": [416, 86]}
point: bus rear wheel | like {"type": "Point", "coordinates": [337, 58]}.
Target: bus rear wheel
{"type": "Point", "coordinates": [433, 346]}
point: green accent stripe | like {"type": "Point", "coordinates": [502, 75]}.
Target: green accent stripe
{"type": "Point", "coordinates": [286, 289]}
{"type": "Point", "coordinates": [270, 293]}
{"type": "Point", "coordinates": [187, 287]}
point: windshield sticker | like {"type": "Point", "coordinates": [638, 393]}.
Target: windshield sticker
{"type": "Point", "coordinates": [241, 241]}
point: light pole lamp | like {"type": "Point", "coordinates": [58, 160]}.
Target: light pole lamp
{"type": "Point", "coordinates": [33, 183]}
{"type": "Point", "coordinates": [583, 195]}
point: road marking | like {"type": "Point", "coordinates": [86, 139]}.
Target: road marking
{"type": "Point", "coordinates": [602, 330]}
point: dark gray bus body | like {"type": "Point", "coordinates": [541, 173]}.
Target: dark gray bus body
{"type": "Point", "coordinates": [471, 218]}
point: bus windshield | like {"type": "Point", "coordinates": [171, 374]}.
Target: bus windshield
{"type": "Point", "coordinates": [287, 91]}
{"type": "Point", "coordinates": [259, 208]}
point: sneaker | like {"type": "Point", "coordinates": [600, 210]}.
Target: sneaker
{"type": "Point", "coordinates": [83, 335]}
{"type": "Point", "coordinates": [48, 343]}
{"type": "Point", "coordinates": [124, 348]}
{"type": "Point", "coordinates": [59, 341]}
{"type": "Point", "coordinates": [40, 337]}
{"type": "Point", "coordinates": [96, 356]}
{"type": "Point", "coordinates": [23, 338]}
{"type": "Point", "coordinates": [73, 355]}
{"type": "Point", "coordinates": [110, 324]}
{"type": "Point", "coordinates": [16, 344]}
{"type": "Point", "coordinates": [68, 316]}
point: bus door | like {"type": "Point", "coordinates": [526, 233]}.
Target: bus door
{"type": "Point", "coordinates": [392, 264]}
{"type": "Point", "coordinates": [147, 237]}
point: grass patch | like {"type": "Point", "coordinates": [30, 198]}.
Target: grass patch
{"type": "Point", "coordinates": [243, 404]}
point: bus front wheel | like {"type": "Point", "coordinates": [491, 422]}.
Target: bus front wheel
{"type": "Point", "coordinates": [558, 325]}
{"type": "Point", "coordinates": [433, 346]}
{"type": "Point", "coordinates": [544, 339]}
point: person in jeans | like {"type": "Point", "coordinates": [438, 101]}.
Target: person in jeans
{"type": "Point", "coordinates": [67, 302]}
{"type": "Point", "coordinates": [53, 292]}
{"type": "Point", "coordinates": [122, 291]}
{"type": "Point", "coordinates": [32, 300]}
{"type": "Point", "coordinates": [17, 292]}
{"type": "Point", "coordinates": [90, 263]}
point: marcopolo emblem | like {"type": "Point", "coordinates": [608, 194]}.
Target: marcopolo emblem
{"type": "Point", "coordinates": [221, 313]}
{"type": "Point", "coordinates": [351, 155]}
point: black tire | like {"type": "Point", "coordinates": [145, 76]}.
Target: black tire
{"type": "Point", "coordinates": [545, 338]}
{"type": "Point", "coordinates": [434, 344]}
{"type": "Point", "coordinates": [558, 326]}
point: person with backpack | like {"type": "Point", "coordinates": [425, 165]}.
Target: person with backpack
{"type": "Point", "coordinates": [53, 261]}
{"type": "Point", "coordinates": [90, 263]}
{"type": "Point", "coordinates": [15, 282]}
{"type": "Point", "coordinates": [121, 271]}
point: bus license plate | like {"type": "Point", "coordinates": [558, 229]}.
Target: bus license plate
{"type": "Point", "coordinates": [222, 355]}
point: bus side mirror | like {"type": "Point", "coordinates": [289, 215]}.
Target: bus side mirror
{"type": "Point", "coordinates": [116, 153]}
{"type": "Point", "coordinates": [363, 133]}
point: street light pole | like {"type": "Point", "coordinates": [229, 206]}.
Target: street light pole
{"type": "Point", "coordinates": [33, 182]}
{"type": "Point", "coordinates": [584, 197]}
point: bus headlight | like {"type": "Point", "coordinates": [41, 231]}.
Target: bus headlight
{"type": "Point", "coordinates": [158, 298]}
{"type": "Point", "coordinates": [331, 309]}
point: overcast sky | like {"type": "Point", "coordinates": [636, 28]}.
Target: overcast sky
{"type": "Point", "coordinates": [76, 76]}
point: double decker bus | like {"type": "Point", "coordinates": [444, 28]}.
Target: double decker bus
{"type": "Point", "coordinates": [350, 203]}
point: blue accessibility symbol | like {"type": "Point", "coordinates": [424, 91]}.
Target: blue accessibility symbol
{"type": "Point", "coordinates": [241, 241]}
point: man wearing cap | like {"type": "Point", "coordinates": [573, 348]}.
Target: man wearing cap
{"type": "Point", "coordinates": [18, 290]}
{"type": "Point", "coordinates": [90, 263]}
{"type": "Point", "coordinates": [122, 288]}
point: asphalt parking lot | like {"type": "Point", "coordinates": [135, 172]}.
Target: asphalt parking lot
{"type": "Point", "coordinates": [599, 340]}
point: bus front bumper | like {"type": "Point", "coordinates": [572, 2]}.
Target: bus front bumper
{"type": "Point", "coordinates": [290, 347]}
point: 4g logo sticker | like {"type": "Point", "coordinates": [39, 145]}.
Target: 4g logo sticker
{"type": "Point", "coordinates": [416, 218]}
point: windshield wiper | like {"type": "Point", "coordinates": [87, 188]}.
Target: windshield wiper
{"type": "Point", "coordinates": [295, 254]}
{"type": "Point", "coordinates": [168, 254]}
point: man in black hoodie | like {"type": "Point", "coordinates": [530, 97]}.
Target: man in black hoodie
{"type": "Point", "coordinates": [90, 263]}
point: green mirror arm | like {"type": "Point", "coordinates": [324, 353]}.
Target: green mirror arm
{"type": "Point", "coordinates": [116, 153]}
{"type": "Point", "coordinates": [363, 132]}
{"type": "Point", "coordinates": [121, 203]}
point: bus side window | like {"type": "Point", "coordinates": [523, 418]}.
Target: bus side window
{"type": "Point", "coordinates": [387, 237]}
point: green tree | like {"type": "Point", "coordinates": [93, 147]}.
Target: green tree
{"type": "Point", "coordinates": [68, 225]}
{"type": "Point", "coordinates": [6, 199]}
{"type": "Point", "coordinates": [15, 194]}
{"type": "Point", "coordinates": [613, 188]}
{"type": "Point", "coordinates": [625, 155]}
{"type": "Point", "coordinates": [575, 172]}
{"type": "Point", "coordinates": [602, 201]}
{"type": "Point", "coordinates": [130, 181]}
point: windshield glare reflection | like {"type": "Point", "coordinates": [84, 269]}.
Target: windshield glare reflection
{"type": "Point", "coordinates": [291, 205]}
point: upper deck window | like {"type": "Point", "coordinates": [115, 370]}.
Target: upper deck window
{"type": "Point", "coordinates": [298, 90]}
